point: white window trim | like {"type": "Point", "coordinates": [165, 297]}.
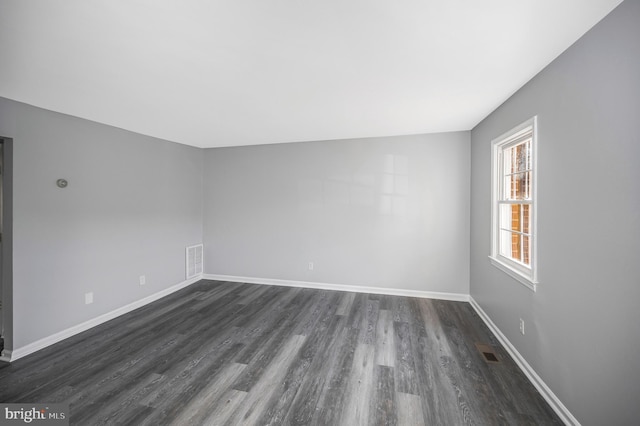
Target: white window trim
{"type": "Point", "coordinates": [526, 276]}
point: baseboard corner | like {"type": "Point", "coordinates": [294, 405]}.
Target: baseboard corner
{"type": "Point", "coordinates": [79, 328]}
{"type": "Point", "coordinates": [5, 356]}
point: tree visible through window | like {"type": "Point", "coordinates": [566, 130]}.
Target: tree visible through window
{"type": "Point", "coordinates": [513, 201]}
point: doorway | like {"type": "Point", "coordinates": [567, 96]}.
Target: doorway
{"type": "Point", "coordinates": [1, 280]}
{"type": "Point", "coordinates": [6, 245]}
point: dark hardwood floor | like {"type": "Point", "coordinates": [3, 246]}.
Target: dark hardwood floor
{"type": "Point", "coordinates": [226, 354]}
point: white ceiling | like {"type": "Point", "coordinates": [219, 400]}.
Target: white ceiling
{"type": "Point", "coordinates": [241, 72]}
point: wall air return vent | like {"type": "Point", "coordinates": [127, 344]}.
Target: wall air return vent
{"type": "Point", "coordinates": [194, 261]}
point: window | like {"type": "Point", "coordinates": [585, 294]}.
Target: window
{"type": "Point", "coordinates": [513, 228]}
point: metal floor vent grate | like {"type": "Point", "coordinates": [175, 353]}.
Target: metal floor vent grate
{"type": "Point", "coordinates": [488, 353]}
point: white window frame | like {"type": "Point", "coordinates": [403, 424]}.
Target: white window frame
{"type": "Point", "coordinates": [526, 275]}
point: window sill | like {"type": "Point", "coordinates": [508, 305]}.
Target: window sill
{"type": "Point", "coordinates": [520, 277]}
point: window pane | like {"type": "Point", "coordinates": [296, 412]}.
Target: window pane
{"type": "Point", "coordinates": [518, 158]}
{"type": "Point", "coordinates": [518, 186]}
{"type": "Point", "coordinates": [511, 245]}
{"type": "Point", "coordinates": [511, 217]}
{"type": "Point", "coordinates": [515, 246]}
{"type": "Point", "coordinates": [522, 156]}
{"type": "Point", "coordinates": [505, 244]}
{"type": "Point", "coordinates": [515, 217]}
{"type": "Point", "coordinates": [526, 219]}
{"type": "Point", "coordinates": [505, 216]}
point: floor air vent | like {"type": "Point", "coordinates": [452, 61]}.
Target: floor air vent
{"type": "Point", "coordinates": [194, 261]}
{"type": "Point", "coordinates": [488, 353]}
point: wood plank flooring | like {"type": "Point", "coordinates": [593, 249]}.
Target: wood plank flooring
{"type": "Point", "coordinates": [242, 354]}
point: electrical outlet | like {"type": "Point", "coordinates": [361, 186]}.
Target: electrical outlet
{"type": "Point", "coordinates": [311, 266]}
{"type": "Point", "coordinates": [88, 298]}
{"type": "Point", "coordinates": [521, 326]}
{"type": "Point", "coordinates": [143, 280]}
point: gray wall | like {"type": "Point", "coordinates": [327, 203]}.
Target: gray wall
{"type": "Point", "coordinates": [132, 205]}
{"type": "Point", "coordinates": [582, 334]}
{"type": "Point", "coordinates": [382, 212]}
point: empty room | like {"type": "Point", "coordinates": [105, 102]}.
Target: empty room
{"type": "Point", "coordinates": [319, 213]}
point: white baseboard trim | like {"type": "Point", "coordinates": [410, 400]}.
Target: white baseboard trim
{"type": "Point", "coordinates": [456, 297]}
{"type": "Point", "coordinates": [555, 403]}
{"type": "Point", "coordinates": [72, 331]}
